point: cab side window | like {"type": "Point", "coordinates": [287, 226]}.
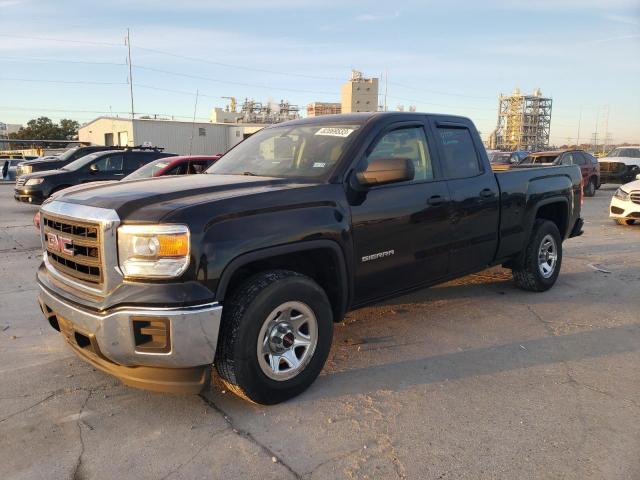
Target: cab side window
{"type": "Point", "coordinates": [578, 159]}
{"type": "Point", "coordinates": [460, 157]}
{"type": "Point", "coordinates": [567, 159]}
{"type": "Point", "coordinates": [408, 143]}
{"type": "Point", "coordinates": [110, 163]}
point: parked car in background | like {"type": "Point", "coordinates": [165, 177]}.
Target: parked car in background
{"type": "Point", "coordinates": [180, 165]}
{"type": "Point", "coordinates": [54, 162]}
{"type": "Point", "coordinates": [625, 203]}
{"type": "Point", "coordinates": [9, 165]}
{"type": "Point", "coordinates": [588, 165]}
{"type": "Point", "coordinates": [98, 166]}
{"type": "Point", "coordinates": [620, 165]}
{"type": "Point", "coordinates": [502, 160]}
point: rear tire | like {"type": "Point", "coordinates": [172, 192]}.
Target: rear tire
{"type": "Point", "coordinates": [542, 258]}
{"type": "Point", "coordinates": [275, 336]}
{"type": "Point", "coordinates": [625, 221]}
{"type": "Point", "coordinates": [590, 188]}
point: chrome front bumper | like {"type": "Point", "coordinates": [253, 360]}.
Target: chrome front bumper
{"type": "Point", "coordinates": [193, 332]}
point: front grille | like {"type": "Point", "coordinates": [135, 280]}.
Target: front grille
{"type": "Point", "coordinates": [20, 181]}
{"type": "Point", "coordinates": [73, 248]}
{"type": "Point", "coordinates": [635, 196]}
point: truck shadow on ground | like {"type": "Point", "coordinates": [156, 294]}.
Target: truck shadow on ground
{"type": "Point", "coordinates": [474, 362]}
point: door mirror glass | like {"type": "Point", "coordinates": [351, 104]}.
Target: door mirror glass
{"type": "Point", "coordinates": [383, 171]}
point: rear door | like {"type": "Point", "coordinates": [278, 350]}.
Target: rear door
{"type": "Point", "coordinates": [399, 230]}
{"type": "Point", "coordinates": [473, 190]}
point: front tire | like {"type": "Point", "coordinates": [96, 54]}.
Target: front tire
{"type": "Point", "coordinates": [275, 336]}
{"type": "Point", "coordinates": [542, 258]}
{"type": "Point", "coordinates": [590, 188]}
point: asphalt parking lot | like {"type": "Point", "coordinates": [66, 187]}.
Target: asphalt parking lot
{"type": "Point", "coordinates": [472, 379]}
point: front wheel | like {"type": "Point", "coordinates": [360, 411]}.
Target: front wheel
{"type": "Point", "coordinates": [542, 258]}
{"type": "Point", "coordinates": [590, 188]}
{"type": "Point", "coordinates": [275, 336]}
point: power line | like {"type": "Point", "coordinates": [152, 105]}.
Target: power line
{"type": "Point", "coordinates": [438, 92]}
{"type": "Point", "coordinates": [54, 60]}
{"type": "Point", "coordinates": [70, 82]}
{"type": "Point", "coordinates": [62, 40]}
{"type": "Point", "coordinates": [239, 67]}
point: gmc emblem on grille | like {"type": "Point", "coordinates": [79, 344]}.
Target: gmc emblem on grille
{"type": "Point", "coordinates": [58, 243]}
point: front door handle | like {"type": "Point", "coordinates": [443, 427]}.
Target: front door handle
{"type": "Point", "coordinates": [435, 200]}
{"type": "Point", "coordinates": [487, 193]}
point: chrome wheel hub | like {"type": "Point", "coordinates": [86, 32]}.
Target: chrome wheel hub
{"type": "Point", "coordinates": [547, 256]}
{"type": "Point", "coordinates": [287, 340]}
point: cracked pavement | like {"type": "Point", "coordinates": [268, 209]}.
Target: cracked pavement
{"type": "Point", "coordinates": [471, 379]}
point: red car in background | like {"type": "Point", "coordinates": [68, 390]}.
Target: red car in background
{"type": "Point", "coordinates": [184, 165]}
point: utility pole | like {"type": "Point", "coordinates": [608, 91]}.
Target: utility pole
{"type": "Point", "coordinates": [579, 122]}
{"type": "Point", "coordinates": [128, 42]}
{"type": "Point", "coordinates": [606, 130]}
{"type": "Point", "coordinates": [595, 135]}
{"type": "Point", "coordinates": [386, 88]}
{"type": "Point", "coordinates": [193, 125]}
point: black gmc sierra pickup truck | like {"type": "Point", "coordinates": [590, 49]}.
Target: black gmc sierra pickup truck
{"type": "Point", "coordinates": [248, 266]}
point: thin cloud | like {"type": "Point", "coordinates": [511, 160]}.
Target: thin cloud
{"type": "Point", "coordinates": [628, 19]}
{"type": "Point", "coordinates": [372, 17]}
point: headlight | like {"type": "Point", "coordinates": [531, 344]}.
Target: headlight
{"type": "Point", "coordinates": [34, 181]}
{"type": "Point", "coordinates": [26, 169]}
{"type": "Point", "coordinates": [621, 195]}
{"type": "Point", "coordinates": [153, 251]}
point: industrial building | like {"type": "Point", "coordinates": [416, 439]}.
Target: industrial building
{"type": "Point", "coordinates": [359, 94]}
{"type": "Point", "coordinates": [256, 112]}
{"type": "Point", "coordinates": [316, 109]}
{"type": "Point", "coordinates": [524, 122]}
{"type": "Point", "coordinates": [183, 138]}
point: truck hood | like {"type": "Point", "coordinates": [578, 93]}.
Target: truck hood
{"type": "Point", "coordinates": [150, 199]}
{"type": "Point", "coordinates": [625, 160]}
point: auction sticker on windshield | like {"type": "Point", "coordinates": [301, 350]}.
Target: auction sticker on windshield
{"type": "Point", "coordinates": [335, 131]}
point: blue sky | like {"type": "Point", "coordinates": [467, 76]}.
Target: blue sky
{"type": "Point", "coordinates": [451, 57]}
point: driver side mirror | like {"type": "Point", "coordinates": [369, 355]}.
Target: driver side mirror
{"type": "Point", "coordinates": [383, 171]}
{"type": "Point", "coordinates": [93, 168]}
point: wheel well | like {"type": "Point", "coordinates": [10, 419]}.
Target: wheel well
{"type": "Point", "coordinates": [557, 213]}
{"type": "Point", "coordinates": [321, 264]}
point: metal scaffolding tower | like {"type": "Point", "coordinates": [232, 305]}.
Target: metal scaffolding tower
{"type": "Point", "coordinates": [524, 121]}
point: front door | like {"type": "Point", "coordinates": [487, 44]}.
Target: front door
{"type": "Point", "coordinates": [399, 229]}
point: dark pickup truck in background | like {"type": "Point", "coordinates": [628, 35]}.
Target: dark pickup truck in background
{"type": "Point", "coordinates": [247, 266]}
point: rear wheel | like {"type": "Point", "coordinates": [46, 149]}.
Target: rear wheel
{"type": "Point", "coordinates": [543, 258]}
{"type": "Point", "coordinates": [625, 221]}
{"type": "Point", "coordinates": [275, 336]}
{"type": "Point", "coordinates": [590, 188]}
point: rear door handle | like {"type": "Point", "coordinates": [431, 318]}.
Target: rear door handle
{"type": "Point", "coordinates": [436, 200]}
{"type": "Point", "coordinates": [486, 193]}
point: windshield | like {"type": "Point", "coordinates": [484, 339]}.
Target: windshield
{"type": "Point", "coordinates": [67, 154]}
{"type": "Point", "coordinates": [300, 151]}
{"type": "Point", "coordinates": [530, 159]}
{"type": "Point", "coordinates": [82, 161]}
{"type": "Point", "coordinates": [625, 152]}
{"type": "Point", "coordinates": [149, 170]}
